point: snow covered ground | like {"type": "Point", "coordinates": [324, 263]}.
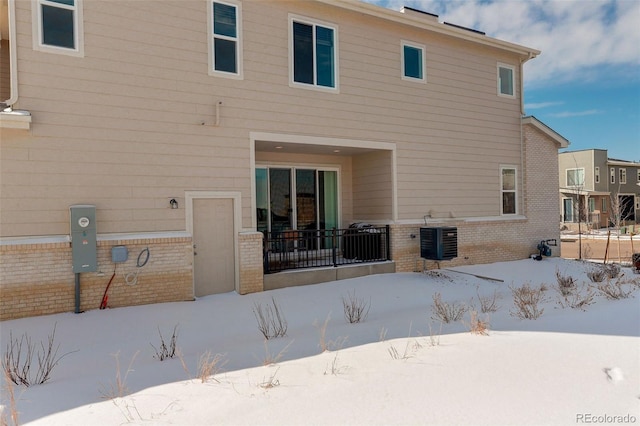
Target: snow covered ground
{"type": "Point", "coordinates": [400, 366]}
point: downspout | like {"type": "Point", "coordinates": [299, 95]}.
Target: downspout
{"type": "Point", "coordinates": [522, 112]}
{"type": "Point", "coordinates": [13, 57]}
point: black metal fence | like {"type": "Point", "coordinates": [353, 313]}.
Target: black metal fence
{"type": "Point", "coordinates": [324, 247]}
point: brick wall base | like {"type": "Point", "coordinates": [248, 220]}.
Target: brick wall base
{"type": "Point", "coordinates": [479, 242]}
{"type": "Point", "coordinates": [37, 279]}
{"type": "Point", "coordinates": [251, 268]}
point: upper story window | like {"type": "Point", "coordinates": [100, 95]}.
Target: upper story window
{"type": "Point", "coordinates": [623, 175]}
{"type": "Point", "coordinates": [313, 55]}
{"type": "Point", "coordinates": [506, 80]}
{"type": "Point", "coordinates": [413, 62]}
{"type": "Point", "coordinates": [509, 190]}
{"type": "Point", "coordinates": [638, 177]}
{"type": "Point", "coordinates": [613, 174]}
{"type": "Point", "coordinates": [597, 174]}
{"type": "Point", "coordinates": [57, 26]}
{"type": "Point", "coordinates": [575, 177]}
{"type": "Point", "coordinates": [225, 47]}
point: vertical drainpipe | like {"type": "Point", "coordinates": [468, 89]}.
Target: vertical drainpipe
{"type": "Point", "coordinates": [522, 112]}
{"type": "Point", "coordinates": [13, 57]}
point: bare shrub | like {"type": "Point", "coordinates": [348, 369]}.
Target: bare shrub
{"type": "Point", "coordinates": [566, 284]}
{"type": "Point", "coordinates": [488, 303]}
{"type": "Point", "coordinates": [271, 321]}
{"type": "Point", "coordinates": [118, 388]}
{"type": "Point", "coordinates": [209, 365]}
{"type": "Point", "coordinates": [447, 312]}
{"type": "Point", "coordinates": [18, 359]}
{"type": "Point", "coordinates": [478, 326]}
{"type": "Point", "coordinates": [164, 351]}
{"type": "Point", "coordinates": [597, 275]}
{"type": "Point", "coordinates": [527, 301]}
{"type": "Point", "coordinates": [578, 298]}
{"type": "Point", "coordinates": [612, 270]}
{"type": "Point", "coordinates": [615, 290]}
{"type": "Point", "coordinates": [355, 309]}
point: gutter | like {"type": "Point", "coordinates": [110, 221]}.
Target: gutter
{"type": "Point", "coordinates": [10, 118]}
{"type": "Point", "coordinates": [13, 65]}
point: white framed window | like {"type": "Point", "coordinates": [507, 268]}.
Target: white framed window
{"type": "Point", "coordinates": [413, 62]}
{"type": "Point", "coordinates": [604, 205]}
{"type": "Point", "coordinates": [508, 190]}
{"type": "Point", "coordinates": [225, 38]}
{"type": "Point", "coordinates": [597, 174]}
{"type": "Point", "coordinates": [612, 172]}
{"type": "Point", "coordinates": [623, 175]}
{"type": "Point", "coordinates": [567, 210]}
{"type": "Point", "coordinates": [592, 204]}
{"type": "Point", "coordinates": [575, 177]}
{"type": "Point", "coordinates": [638, 173]}
{"type": "Point", "coordinates": [58, 26]}
{"type": "Point", "coordinates": [313, 54]}
{"type": "Point", "coordinates": [506, 80]}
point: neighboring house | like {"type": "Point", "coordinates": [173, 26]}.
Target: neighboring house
{"type": "Point", "coordinates": [598, 191]}
{"type": "Point", "coordinates": [221, 141]}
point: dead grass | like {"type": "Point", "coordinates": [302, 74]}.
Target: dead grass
{"type": "Point", "coordinates": [477, 325]}
{"type": "Point", "coordinates": [210, 365]}
{"type": "Point", "coordinates": [118, 388]}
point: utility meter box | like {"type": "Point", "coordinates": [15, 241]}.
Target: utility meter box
{"type": "Point", "coordinates": [83, 238]}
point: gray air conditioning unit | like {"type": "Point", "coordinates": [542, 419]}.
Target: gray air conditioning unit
{"type": "Point", "coordinates": [439, 243]}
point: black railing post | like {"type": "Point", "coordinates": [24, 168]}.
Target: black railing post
{"type": "Point", "coordinates": [265, 252]}
{"type": "Point", "coordinates": [388, 242]}
{"type": "Point", "coordinates": [334, 248]}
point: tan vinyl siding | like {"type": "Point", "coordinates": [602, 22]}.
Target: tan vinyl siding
{"type": "Point", "coordinates": [5, 73]}
{"type": "Point", "coordinates": [121, 127]}
{"type": "Point", "coordinates": [373, 186]}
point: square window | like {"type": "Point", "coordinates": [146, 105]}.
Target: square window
{"type": "Point", "coordinates": [575, 177]}
{"type": "Point", "coordinates": [57, 26]}
{"type": "Point", "coordinates": [225, 55]}
{"type": "Point", "coordinates": [413, 62]}
{"type": "Point", "coordinates": [506, 86]}
{"type": "Point", "coordinates": [313, 54]}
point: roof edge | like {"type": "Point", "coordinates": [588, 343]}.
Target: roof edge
{"type": "Point", "coordinates": [561, 140]}
{"type": "Point", "coordinates": [432, 25]}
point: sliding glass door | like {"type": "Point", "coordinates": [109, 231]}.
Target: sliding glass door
{"type": "Point", "coordinates": [296, 199]}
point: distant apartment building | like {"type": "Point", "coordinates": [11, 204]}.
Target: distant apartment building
{"type": "Point", "coordinates": [597, 190]}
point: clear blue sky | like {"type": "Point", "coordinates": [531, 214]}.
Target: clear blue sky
{"type": "Point", "coordinates": [586, 82]}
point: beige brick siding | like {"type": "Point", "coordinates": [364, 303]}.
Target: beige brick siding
{"type": "Point", "coordinates": [251, 272]}
{"type": "Point", "coordinates": [37, 279]}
